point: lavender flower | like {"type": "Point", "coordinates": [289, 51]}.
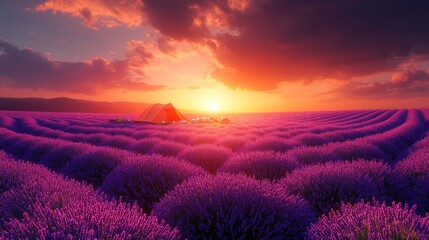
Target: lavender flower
{"type": "Point", "coordinates": [42, 205]}
{"type": "Point", "coordinates": [209, 157]}
{"type": "Point", "coordinates": [271, 144]}
{"type": "Point", "coordinates": [146, 179]}
{"type": "Point", "coordinates": [60, 155]}
{"type": "Point", "coordinates": [366, 221]}
{"type": "Point", "coordinates": [326, 186]}
{"type": "Point", "coordinates": [94, 166]}
{"type": "Point", "coordinates": [234, 207]}
{"type": "Point", "coordinates": [261, 165]}
{"type": "Point", "coordinates": [167, 148]}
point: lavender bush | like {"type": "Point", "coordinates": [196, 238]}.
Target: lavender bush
{"type": "Point", "coordinates": [310, 139]}
{"type": "Point", "coordinates": [60, 155]}
{"type": "Point", "coordinates": [40, 149]}
{"type": "Point", "coordinates": [167, 148]}
{"type": "Point", "coordinates": [146, 179]}
{"type": "Point", "coordinates": [366, 221]}
{"type": "Point", "coordinates": [209, 157]}
{"type": "Point", "coordinates": [416, 165]}
{"type": "Point", "coordinates": [356, 149]}
{"type": "Point", "coordinates": [145, 145]}
{"type": "Point", "coordinates": [313, 155]}
{"type": "Point", "coordinates": [101, 220]}
{"type": "Point", "coordinates": [7, 141]}
{"type": "Point", "coordinates": [326, 186]}
{"type": "Point", "coordinates": [271, 144]}
{"type": "Point", "coordinates": [261, 165]}
{"type": "Point", "coordinates": [203, 139]}
{"type": "Point", "coordinates": [42, 205]}
{"type": "Point", "coordinates": [233, 143]}
{"type": "Point", "coordinates": [94, 166]}
{"type": "Point", "coordinates": [234, 207]}
{"type": "Point", "coordinates": [20, 148]}
{"type": "Point", "coordinates": [121, 142]}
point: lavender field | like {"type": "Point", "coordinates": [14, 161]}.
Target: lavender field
{"type": "Point", "coordinates": [312, 175]}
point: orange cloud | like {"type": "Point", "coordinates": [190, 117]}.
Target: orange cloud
{"type": "Point", "coordinates": [98, 13]}
{"type": "Point", "coordinates": [274, 41]}
{"type": "Point", "coordinates": [259, 45]}
{"type": "Point", "coordinates": [30, 69]}
{"type": "Point", "coordinates": [403, 84]}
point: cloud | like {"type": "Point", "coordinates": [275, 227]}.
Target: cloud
{"type": "Point", "coordinates": [273, 41]}
{"type": "Point", "coordinates": [185, 20]}
{"type": "Point", "coordinates": [403, 84]}
{"type": "Point", "coordinates": [98, 13]}
{"type": "Point", "coordinates": [29, 69]}
{"type": "Point", "coordinates": [259, 44]}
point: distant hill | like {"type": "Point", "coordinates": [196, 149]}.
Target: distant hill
{"type": "Point", "coordinates": [69, 105]}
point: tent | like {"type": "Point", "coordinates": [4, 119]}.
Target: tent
{"type": "Point", "coordinates": [161, 113]}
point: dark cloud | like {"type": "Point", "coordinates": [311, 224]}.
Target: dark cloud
{"type": "Point", "coordinates": [185, 20]}
{"type": "Point", "coordinates": [29, 69]}
{"type": "Point", "coordinates": [404, 84]}
{"type": "Point", "coordinates": [87, 15]}
{"type": "Point", "coordinates": [271, 41]}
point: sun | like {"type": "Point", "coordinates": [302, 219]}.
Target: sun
{"type": "Point", "coordinates": [212, 106]}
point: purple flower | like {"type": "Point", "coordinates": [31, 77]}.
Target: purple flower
{"type": "Point", "coordinates": [94, 166]}
{"type": "Point", "coordinates": [20, 148]}
{"type": "Point", "coordinates": [144, 145]}
{"type": "Point", "coordinates": [167, 148]}
{"type": "Point", "coordinates": [146, 179]}
{"type": "Point", "coordinates": [356, 149]}
{"type": "Point", "coordinates": [209, 157]}
{"type": "Point", "coordinates": [269, 143]}
{"type": "Point", "coordinates": [59, 156]}
{"type": "Point", "coordinates": [120, 141]}
{"type": "Point", "coordinates": [42, 205]}
{"type": "Point", "coordinates": [366, 221]}
{"type": "Point", "coordinates": [40, 149]}
{"type": "Point", "coordinates": [326, 186]}
{"type": "Point", "coordinates": [310, 139]}
{"type": "Point", "coordinates": [416, 165]}
{"type": "Point", "coordinates": [233, 143]}
{"type": "Point", "coordinates": [7, 141]}
{"type": "Point", "coordinates": [313, 155]}
{"type": "Point", "coordinates": [204, 139]}
{"type": "Point", "coordinates": [261, 165]}
{"type": "Point", "coordinates": [232, 207]}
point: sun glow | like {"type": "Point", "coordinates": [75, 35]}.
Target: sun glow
{"type": "Point", "coordinates": [212, 106]}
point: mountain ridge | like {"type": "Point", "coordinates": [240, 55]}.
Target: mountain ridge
{"type": "Point", "coordinates": [64, 104]}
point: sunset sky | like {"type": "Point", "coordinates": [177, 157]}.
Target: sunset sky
{"type": "Point", "coordinates": [231, 55]}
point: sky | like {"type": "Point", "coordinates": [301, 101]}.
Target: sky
{"type": "Point", "coordinates": [219, 55]}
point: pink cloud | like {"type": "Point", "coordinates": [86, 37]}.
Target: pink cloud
{"type": "Point", "coordinates": [30, 69]}
{"type": "Point", "coordinates": [259, 44]}
{"type": "Point", "coordinates": [98, 13]}
{"type": "Point", "coordinates": [273, 41]}
{"type": "Point", "coordinates": [403, 84]}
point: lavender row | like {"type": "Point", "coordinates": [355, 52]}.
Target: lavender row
{"type": "Point", "coordinates": [371, 221]}
{"type": "Point", "coordinates": [124, 142]}
{"type": "Point", "coordinates": [358, 124]}
{"type": "Point", "coordinates": [107, 128]}
{"type": "Point", "coordinates": [113, 170]}
{"type": "Point", "coordinates": [37, 204]}
{"type": "Point", "coordinates": [199, 154]}
{"type": "Point", "coordinates": [257, 209]}
{"type": "Point", "coordinates": [118, 173]}
{"type": "Point", "coordinates": [386, 146]}
{"type": "Point", "coordinates": [415, 167]}
{"type": "Point", "coordinates": [325, 186]}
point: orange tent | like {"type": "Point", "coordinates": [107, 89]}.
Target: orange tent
{"type": "Point", "coordinates": [161, 113]}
